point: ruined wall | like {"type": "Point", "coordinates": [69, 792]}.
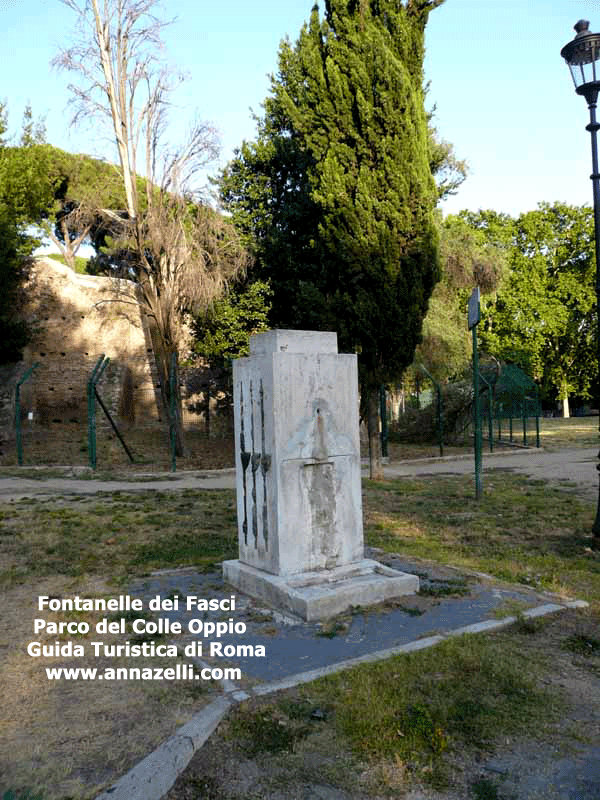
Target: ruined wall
{"type": "Point", "coordinates": [76, 319]}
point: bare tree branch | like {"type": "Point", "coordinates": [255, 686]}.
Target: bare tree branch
{"type": "Point", "coordinates": [184, 251]}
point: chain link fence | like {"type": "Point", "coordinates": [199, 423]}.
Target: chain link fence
{"type": "Point", "coordinates": [50, 415]}
{"type": "Point", "coordinates": [509, 411]}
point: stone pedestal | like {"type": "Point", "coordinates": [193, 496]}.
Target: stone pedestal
{"type": "Point", "coordinates": [298, 480]}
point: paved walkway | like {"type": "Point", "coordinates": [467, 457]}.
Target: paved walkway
{"type": "Point", "coordinates": [18, 488]}
{"type": "Point", "coordinates": [576, 465]}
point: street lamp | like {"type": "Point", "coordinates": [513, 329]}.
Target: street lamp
{"type": "Point", "coordinates": [583, 59]}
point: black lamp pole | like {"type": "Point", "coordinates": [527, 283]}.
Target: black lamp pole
{"type": "Point", "coordinates": [593, 128]}
{"type": "Point", "coordinates": [583, 56]}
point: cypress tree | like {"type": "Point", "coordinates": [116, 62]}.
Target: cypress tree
{"type": "Point", "coordinates": [342, 185]}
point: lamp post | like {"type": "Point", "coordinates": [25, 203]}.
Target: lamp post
{"type": "Point", "coordinates": [583, 59]}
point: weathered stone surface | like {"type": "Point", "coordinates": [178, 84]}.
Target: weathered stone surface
{"type": "Point", "coordinates": [319, 595]}
{"type": "Point", "coordinates": [298, 479]}
{"type": "Point", "coordinates": [75, 319]}
{"type": "Point", "coordinates": [298, 454]}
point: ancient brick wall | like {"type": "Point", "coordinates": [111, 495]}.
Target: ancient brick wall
{"type": "Point", "coordinates": [76, 319]}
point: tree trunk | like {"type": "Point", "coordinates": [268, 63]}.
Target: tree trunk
{"type": "Point", "coordinates": [68, 251]}
{"type": "Point", "coordinates": [375, 465]}
{"type": "Point", "coordinates": [563, 400]}
{"type": "Point", "coordinates": [171, 408]}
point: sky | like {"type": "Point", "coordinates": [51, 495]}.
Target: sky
{"type": "Point", "coordinates": [502, 93]}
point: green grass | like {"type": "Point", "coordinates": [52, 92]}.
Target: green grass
{"type": "Point", "coordinates": [21, 794]}
{"type": "Point", "coordinates": [80, 262]}
{"type": "Point", "coordinates": [413, 709]}
{"type": "Point", "coordinates": [557, 433]}
{"type": "Point", "coordinates": [582, 645]}
{"type": "Point", "coordinates": [485, 789]}
{"type": "Point", "coordinates": [464, 690]}
{"type": "Point", "coordinates": [117, 535]}
{"type": "Point", "coordinates": [521, 530]}
{"type": "Point", "coordinates": [264, 730]}
{"type": "Point", "coordinates": [83, 473]}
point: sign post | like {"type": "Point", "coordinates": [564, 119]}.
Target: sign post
{"type": "Point", "coordinates": [474, 317]}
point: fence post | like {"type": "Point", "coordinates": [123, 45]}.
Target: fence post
{"type": "Point", "coordinates": [173, 410]}
{"type": "Point", "coordinates": [537, 417]}
{"type": "Point", "coordinates": [18, 431]}
{"type": "Point", "coordinates": [101, 365]}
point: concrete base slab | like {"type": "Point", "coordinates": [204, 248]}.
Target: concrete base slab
{"type": "Point", "coordinates": [319, 595]}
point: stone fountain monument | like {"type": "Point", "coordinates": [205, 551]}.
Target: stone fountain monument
{"type": "Point", "coordinates": [298, 479]}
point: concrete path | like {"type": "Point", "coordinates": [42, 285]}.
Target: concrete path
{"type": "Point", "coordinates": [576, 465]}
{"type": "Point", "coordinates": [19, 487]}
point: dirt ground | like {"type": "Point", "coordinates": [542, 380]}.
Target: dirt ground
{"type": "Point", "coordinates": [67, 738]}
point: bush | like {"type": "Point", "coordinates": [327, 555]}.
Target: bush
{"type": "Point", "coordinates": [421, 425]}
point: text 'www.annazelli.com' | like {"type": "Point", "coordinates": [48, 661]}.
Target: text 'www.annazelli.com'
{"type": "Point", "coordinates": [180, 672]}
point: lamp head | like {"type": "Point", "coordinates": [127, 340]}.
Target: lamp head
{"type": "Point", "coordinates": [582, 55]}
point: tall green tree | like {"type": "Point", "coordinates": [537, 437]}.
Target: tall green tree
{"type": "Point", "coordinates": [223, 332]}
{"type": "Point", "coordinates": [25, 190]}
{"type": "Point", "coordinates": [544, 318]}
{"type": "Point", "coordinates": [338, 193]}
{"type": "Point", "coordinates": [468, 259]}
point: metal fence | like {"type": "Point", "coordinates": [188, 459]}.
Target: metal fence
{"type": "Point", "coordinates": [99, 413]}
{"type": "Point", "coordinates": [509, 411]}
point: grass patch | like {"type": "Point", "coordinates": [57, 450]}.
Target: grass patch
{"type": "Point", "coordinates": [21, 794]}
{"type": "Point", "coordinates": [557, 433]}
{"type": "Point", "coordinates": [582, 645]}
{"type": "Point", "coordinates": [463, 692]}
{"type": "Point", "coordinates": [450, 587]}
{"type": "Point", "coordinates": [485, 789]}
{"type": "Point", "coordinates": [332, 628]}
{"type": "Point", "coordinates": [409, 710]}
{"type": "Point", "coordinates": [118, 534]}
{"type": "Point", "coordinates": [80, 262]}
{"type": "Point", "coordinates": [266, 729]}
{"type": "Point", "coordinates": [521, 530]}
{"type": "Point", "coordinates": [527, 626]}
